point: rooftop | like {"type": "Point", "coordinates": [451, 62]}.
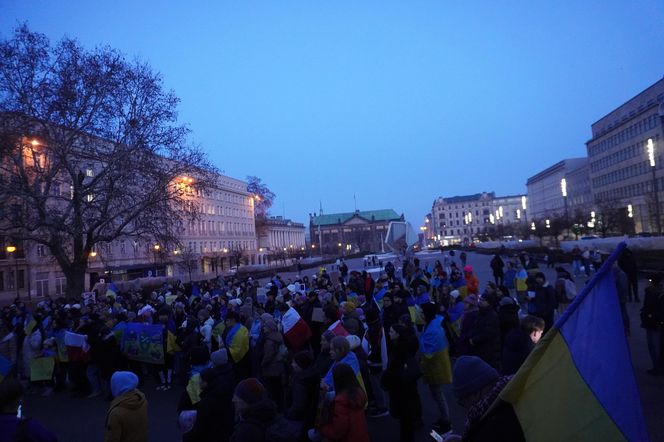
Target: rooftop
{"type": "Point", "coordinates": [369, 215]}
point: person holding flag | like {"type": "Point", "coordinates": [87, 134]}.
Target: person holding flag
{"type": "Point", "coordinates": [296, 331]}
{"type": "Point", "coordinates": [435, 360]}
{"type": "Point", "coordinates": [236, 339]}
{"type": "Point", "coordinates": [578, 383]}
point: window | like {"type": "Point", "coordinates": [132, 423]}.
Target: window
{"type": "Point", "coordinates": [60, 285]}
{"type": "Point", "coordinates": [41, 250]}
{"type": "Point", "coordinates": [41, 280]}
{"type": "Point", "coordinates": [89, 172]}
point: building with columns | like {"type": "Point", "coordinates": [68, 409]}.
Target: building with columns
{"type": "Point", "coordinates": [277, 233]}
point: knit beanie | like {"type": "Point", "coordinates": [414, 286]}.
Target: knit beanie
{"type": "Point", "coordinates": [470, 375]}
{"type": "Point", "coordinates": [250, 391]}
{"type": "Point", "coordinates": [219, 357]}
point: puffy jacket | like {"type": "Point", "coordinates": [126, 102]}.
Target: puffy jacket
{"type": "Point", "coordinates": [348, 423]}
{"type": "Point", "coordinates": [127, 418]}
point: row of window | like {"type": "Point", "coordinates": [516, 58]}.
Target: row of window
{"type": "Point", "coordinates": [461, 206]}
{"type": "Point", "coordinates": [203, 227]}
{"type": "Point", "coordinates": [220, 246]}
{"type": "Point", "coordinates": [621, 174]}
{"type": "Point", "coordinates": [626, 134]}
{"type": "Point", "coordinates": [629, 191]}
{"type": "Point", "coordinates": [623, 154]}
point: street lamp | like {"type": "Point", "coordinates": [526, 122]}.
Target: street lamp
{"type": "Point", "coordinates": [650, 147]}
{"type": "Point", "coordinates": [11, 250]}
{"type": "Point", "coordinates": [523, 207]}
{"type": "Point", "coordinates": [563, 188]}
{"type": "Point", "coordinates": [156, 248]}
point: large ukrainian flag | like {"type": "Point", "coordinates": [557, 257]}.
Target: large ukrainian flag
{"type": "Point", "coordinates": [578, 383]}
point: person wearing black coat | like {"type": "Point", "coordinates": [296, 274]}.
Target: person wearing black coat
{"type": "Point", "coordinates": [545, 300]}
{"type": "Point", "coordinates": [256, 411]}
{"type": "Point", "coordinates": [520, 342]}
{"type": "Point", "coordinates": [215, 414]}
{"type": "Point", "coordinates": [400, 380]}
{"type": "Point", "coordinates": [497, 266]}
{"type": "Point", "coordinates": [508, 316]}
{"type": "Point", "coordinates": [484, 338]}
{"type": "Point", "coordinates": [304, 392]}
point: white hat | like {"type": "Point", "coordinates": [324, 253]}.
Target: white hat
{"type": "Point", "coordinates": [235, 302]}
{"type": "Point", "coordinates": [291, 288]}
{"type": "Point", "coordinates": [353, 341]}
{"type": "Point", "coordinates": [455, 294]}
{"type": "Point", "coordinates": [146, 309]}
{"type": "Point", "coordinates": [76, 306]}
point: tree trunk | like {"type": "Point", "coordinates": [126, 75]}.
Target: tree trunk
{"type": "Point", "coordinates": [75, 281]}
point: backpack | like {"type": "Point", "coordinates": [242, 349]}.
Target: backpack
{"type": "Point", "coordinates": [283, 430]}
{"type": "Point", "coordinates": [570, 289]}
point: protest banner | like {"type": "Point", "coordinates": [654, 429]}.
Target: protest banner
{"type": "Point", "coordinates": [143, 343]}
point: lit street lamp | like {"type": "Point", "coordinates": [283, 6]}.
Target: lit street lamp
{"type": "Point", "coordinates": [650, 147]}
{"type": "Point", "coordinates": [563, 188]}
{"type": "Point", "coordinates": [11, 250]}
{"type": "Point", "coordinates": [523, 207]}
{"type": "Point", "coordinates": [156, 251]}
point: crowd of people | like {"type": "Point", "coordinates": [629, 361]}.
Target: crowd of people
{"type": "Point", "coordinates": [310, 358]}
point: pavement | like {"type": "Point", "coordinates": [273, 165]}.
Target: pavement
{"type": "Point", "coordinates": [82, 420]}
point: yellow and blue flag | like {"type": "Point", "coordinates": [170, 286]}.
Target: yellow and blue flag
{"type": "Point", "coordinates": [237, 341]}
{"type": "Point", "coordinates": [578, 383]}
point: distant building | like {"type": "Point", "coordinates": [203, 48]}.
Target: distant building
{"type": "Point", "coordinates": [545, 189]}
{"type": "Point", "coordinates": [463, 218]}
{"type": "Point", "coordinates": [619, 163]}
{"type": "Point", "coordinates": [351, 232]}
{"type": "Point", "coordinates": [460, 217]}
{"type": "Point", "coordinates": [277, 233]}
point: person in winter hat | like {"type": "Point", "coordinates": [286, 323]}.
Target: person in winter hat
{"type": "Point", "coordinates": [255, 411]}
{"type": "Point", "coordinates": [127, 417]}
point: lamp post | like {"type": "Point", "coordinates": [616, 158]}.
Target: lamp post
{"type": "Point", "coordinates": [156, 251]}
{"type": "Point", "coordinates": [650, 147]}
{"type": "Point", "coordinates": [563, 188]}
{"type": "Point", "coordinates": [11, 250]}
{"type": "Point", "coordinates": [523, 207]}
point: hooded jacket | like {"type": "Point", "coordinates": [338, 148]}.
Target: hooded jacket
{"type": "Point", "coordinates": [127, 418]}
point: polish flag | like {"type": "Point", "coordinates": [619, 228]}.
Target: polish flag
{"type": "Point", "coordinates": [296, 331]}
{"type": "Point", "coordinates": [77, 347]}
{"type": "Point", "coordinates": [338, 329]}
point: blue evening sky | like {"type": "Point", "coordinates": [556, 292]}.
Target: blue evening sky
{"type": "Point", "coordinates": [395, 102]}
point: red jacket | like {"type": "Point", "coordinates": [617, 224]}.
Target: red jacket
{"type": "Point", "coordinates": [472, 283]}
{"type": "Point", "coordinates": [348, 422]}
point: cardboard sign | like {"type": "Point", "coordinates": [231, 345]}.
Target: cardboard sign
{"type": "Point", "coordinates": [318, 315]}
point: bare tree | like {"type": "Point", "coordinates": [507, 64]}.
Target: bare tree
{"type": "Point", "coordinates": [92, 148]}
{"type": "Point", "coordinates": [188, 262]}
{"type": "Point", "coordinates": [263, 196]}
